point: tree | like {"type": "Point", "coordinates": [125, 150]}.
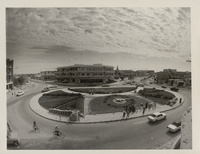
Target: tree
{"type": "Point", "coordinates": [18, 81]}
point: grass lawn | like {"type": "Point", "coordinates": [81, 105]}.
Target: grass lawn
{"type": "Point", "coordinates": [105, 104]}
{"type": "Point", "coordinates": [159, 96]}
{"type": "Point", "coordinates": [58, 98]}
{"type": "Point", "coordinates": [75, 104]}
{"type": "Point", "coordinates": [104, 90]}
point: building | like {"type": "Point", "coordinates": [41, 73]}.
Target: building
{"type": "Point", "coordinates": [47, 75]}
{"type": "Point", "coordinates": [145, 73]}
{"type": "Point", "coordinates": [129, 74]}
{"type": "Point", "coordinates": [79, 73]}
{"type": "Point", "coordinates": [174, 78]}
{"type": "Point", "coordinates": [9, 74]}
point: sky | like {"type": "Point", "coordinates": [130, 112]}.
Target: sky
{"type": "Point", "coordinates": [42, 39]}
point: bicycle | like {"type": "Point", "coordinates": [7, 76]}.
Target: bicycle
{"type": "Point", "coordinates": [58, 134]}
{"type": "Point", "coordinates": [36, 129]}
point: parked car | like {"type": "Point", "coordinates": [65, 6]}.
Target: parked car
{"type": "Point", "coordinates": [174, 89]}
{"type": "Point", "coordinates": [163, 86]}
{"type": "Point", "coordinates": [172, 102]}
{"type": "Point", "coordinates": [12, 138]}
{"type": "Point", "coordinates": [157, 116]}
{"type": "Point", "coordinates": [174, 126]}
{"type": "Point", "coordinates": [45, 89]}
{"type": "Point", "coordinates": [19, 93]}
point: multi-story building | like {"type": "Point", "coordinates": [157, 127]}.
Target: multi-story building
{"type": "Point", "coordinates": [9, 74]}
{"type": "Point", "coordinates": [174, 78]}
{"type": "Point", "coordinates": [47, 75]}
{"type": "Point", "coordinates": [80, 73]}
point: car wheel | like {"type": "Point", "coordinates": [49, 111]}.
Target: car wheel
{"type": "Point", "coordinates": [16, 143]}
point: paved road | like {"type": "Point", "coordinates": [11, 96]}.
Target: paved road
{"type": "Point", "coordinates": [131, 134]}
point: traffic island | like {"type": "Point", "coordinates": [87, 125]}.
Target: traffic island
{"type": "Point", "coordinates": [99, 118]}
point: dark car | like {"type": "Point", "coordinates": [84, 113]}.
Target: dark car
{"type": "Point", "coordinates": [45, 89]}
{"type": "Point", "coordinates": [174, 89]}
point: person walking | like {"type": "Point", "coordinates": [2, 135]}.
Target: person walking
{"type": "Point", "coordinates": [143, 110]}
{"type": "Point", "coordinates": [141, 106]}
{"type": "Point", "coordinates": [127, 114]}
{"type": "Point", "coordinates": [147, 104]}
{"type": "Point", "coordinates": [130, 108]}
{"type": "Point", "coordinates": [124, 113]}
{"type": "Point", "coordinates": [133, 109]}
{"type": "Point", "coordinates": [180, 101]}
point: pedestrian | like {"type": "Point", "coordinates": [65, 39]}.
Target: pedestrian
{"type": "Point", "coordinates": [146, 105]}
{"type": "Point", "coordinates": [124, 113]}
{"type": "Point", "coordinates": [180, 101]}
{"type": "Point", "coordinates": [128, 114]}
{"type": "Point", "coordinates": [133, 109]}
{"type": "Point", "coordinates": [143, 110]}
{"type": "Point", "coordinates": [141, 106]}
{"type": "Point", "coordinates": [130, 108]}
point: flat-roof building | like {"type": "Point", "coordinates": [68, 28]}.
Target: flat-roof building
{"type": "Point", "coordinates": [9, 74]}
{"type": "Point", "coordinates": [79, 73]}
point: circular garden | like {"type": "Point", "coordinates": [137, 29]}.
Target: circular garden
{"type": "Point", "coordinates": [105, 104]}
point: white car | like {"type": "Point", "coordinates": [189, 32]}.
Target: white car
{"type": "Point", "coordinates": [53, 86]}
{"type": "Point", "coordinates": [12, 138]}
{"type": "Point", "coordinates": [157, 116]}
{"type": "Point", "coordinates": [174, 126]}
{"type": "Point", "coordinates": [19, 93]}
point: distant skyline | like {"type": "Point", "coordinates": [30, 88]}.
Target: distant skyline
{"type": "Point", "coordinates": [40, 39]}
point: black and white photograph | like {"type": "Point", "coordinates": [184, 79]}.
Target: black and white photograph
{"type": "Point", "coordinates": [98, 78]}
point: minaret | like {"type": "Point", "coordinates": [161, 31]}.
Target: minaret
{"type": "Point", "coordinates": [117, 72]}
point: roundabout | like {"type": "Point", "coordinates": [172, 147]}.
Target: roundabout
{"type": "Point", "coordinates": [119, 99]}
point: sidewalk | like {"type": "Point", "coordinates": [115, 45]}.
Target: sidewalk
{"type": "Point", "coordinates": [99, 118]}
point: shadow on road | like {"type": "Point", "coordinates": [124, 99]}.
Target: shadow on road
{"type": "Point", "coordinates": [155, 123]}
{"type": "Point", "coordinates": [173, 134]}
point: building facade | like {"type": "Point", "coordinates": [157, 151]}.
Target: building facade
{"type": "Point", "coordinates": [174, 78]}
{"type": "Point", "coordinates": [79, 73]}
{"type": "Point", "coordinates": [47, 75]}
{"type": "Point", "coordinates": [9, 74]}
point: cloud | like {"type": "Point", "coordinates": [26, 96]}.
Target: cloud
{"type": "Point", "coordinates": [142, 31]}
